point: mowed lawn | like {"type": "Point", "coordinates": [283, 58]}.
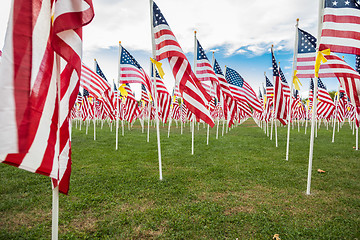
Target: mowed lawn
{"type": "Point", "coordinates": [238, 186]}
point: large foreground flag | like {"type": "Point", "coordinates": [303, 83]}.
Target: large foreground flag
{"type": "Point", "coordinates": [334, 67]}
{"type": "Point", "coordinates": [280, 106]}
{"type": "Point", "coordinates": [39, 55]}
{"type": "Point", "coordinates": [193, 94]}
{"type": "Point", "coordinates": [341, 26]}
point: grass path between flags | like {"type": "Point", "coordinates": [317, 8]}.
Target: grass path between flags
{"type": "Point", "coordinates": [238, 186]}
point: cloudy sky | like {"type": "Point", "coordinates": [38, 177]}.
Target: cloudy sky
{"type": "Point", "coordinates": [242, 32]}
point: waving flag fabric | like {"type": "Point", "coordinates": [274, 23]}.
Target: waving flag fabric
{"type": "Point", "coordinates": [163, 97]}
{"type": "Point", "coordinates": [242, 90]}
{"type": "Point", "coordinates": [326, 105]}
{"type": "Point", "coordinates": [280, 106]}
{"type": "Point", "coordinates": [284, 83]}
{"type": "Point", "coordinates": [34, 122]}
{"type": "Point", "coordinates": [334, 67]}
{"type": "Point", "coordinates": [131, 105]}
{"type": "Point", "coordinates": [193, 94]}
{"type": "Point", "coordinates": [341, 26]}
{"type": "Point", "coordinates": [229, 105]}
{"type": "Point", "coordinates": [92, 82]}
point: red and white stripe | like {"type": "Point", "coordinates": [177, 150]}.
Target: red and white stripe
{"type": "Point", "coordinates": [163, 99]}
{"type": "Point", "coordinates": [35, 122]}
{"type": "Point", "coordinates": [131, 105]}
{"type": "Point", "coordinates": [280, 106]}
{"type": "Point", "coordinates": [92, 82]}
{"type": "Point", "coordinates": [191, 90]}
{"type": "Point", "coordinates": [341, 30]}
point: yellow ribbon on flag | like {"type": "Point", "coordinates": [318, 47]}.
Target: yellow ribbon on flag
{"type": "Point", "coordinates": [122, 90]}
{"type": "Point", "coordinates": [296, 81]}
{"type": "Point", "coordinates": [320, 58]}
{"type": "Point", "coordinates": [158, 66]}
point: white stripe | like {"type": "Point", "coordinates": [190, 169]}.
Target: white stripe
{"type": "Point", "coordinates": [341, 12]}
{"type": "Point", "coordinates": [40, 36]}
{"type": "Point", "coordinates": [34, 157]}
{"type": "Point", "coordinates": [73, 40]}
{"type": "Point", "coordinates": [66, 6]}
{"type": "Point", "coordinates": [348, 42]}
{"type": "Point", "coordinates": [8, 127]}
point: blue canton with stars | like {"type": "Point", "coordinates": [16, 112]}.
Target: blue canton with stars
{"type": "Point", "coordinates": [342, 4]}
{"type": "Point", "coordinates": [98, 71]}
{"type": "Point", "coordinates": [158, 17]}
{"type": "Point", "coordinates": [115, 88]}
{"type": "Point", "coordinates": [357, 63]}
{"type": "Point", "coordinates": [296, 92]}
{"type": "Point", "coordinates": [306, 43]}
{"type": "Point", "coordinates": [200, 52]}
{"type": "Point", "coordinates": [217, 68]}
{"type": "Point", "coordinates": [275, 66]}
{"type": "Point", "coordinates": [152, 71]}
{"type": "Point", "coordinates": [126, 58]}
{"type": "Point", "coordinates": [143, 88]}
{"type": "Point", "coordinates": [85, 93]}
{"type": "Point", "coordinates": [283, 79]}
{"type": "Point", "coordinates": [268, 83]}
{"type": "Point", "coordinates": [321, 84]}
{"type": "Point", "coordinates": [234, 77]}
{"type": "Point", "coordinates": [341, 95]}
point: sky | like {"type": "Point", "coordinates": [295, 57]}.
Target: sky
{"type": "Point", "coordinates": [240, 31]}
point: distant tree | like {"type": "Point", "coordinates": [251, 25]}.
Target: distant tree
{"type": "Point", "coordinates": [332, 94]}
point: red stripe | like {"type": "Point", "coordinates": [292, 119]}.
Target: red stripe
{"type": "Point", "coordinates": [340, 34]}
{"type": "Point", "coordinates": [340, 49]}
{"type": "Point", "coordinates": [341, 19]}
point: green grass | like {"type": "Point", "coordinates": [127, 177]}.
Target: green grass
{"type": "Point", "coordinates": [239, 186]}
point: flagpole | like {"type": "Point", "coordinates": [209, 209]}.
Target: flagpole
{"type": "Point", "coordinates": [94, 120]}
{"type": "Point", "coordinates": [193, 121]}
{"type": "Point", "coordinates": [313, 117]}
{"type": "Point", "coordinates": [337, 98]}
{"type": "Point", "coordinates": [154, 83]}
{"type": "Point", "coordinates": [55, 191]}
{"type": "Point", "coordinates": [291, 88]}
{"type": "Point", "coordinates": [148, 128]}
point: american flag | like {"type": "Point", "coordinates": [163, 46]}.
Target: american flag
{"type": "Point", "coordinates": [204, 70]}
{"type": "Point", "coordinates": [341, 26]}
{"type": "Point", "coordinates": [326, 106]}
{"type": "Point", "coordinates": [285, 86]}
{"type": "Point", "coordinates": [92, 82]}
{"type": "Point", "coordinates": [280, 106]}
{"type": "Point", "coordinates": [340, 108]}
{"type": "Point", "coordinates": [131, 71]}
{"type": "Point", "coordinates": [334, 67]}
{"type": "Point", "coordinates": [241, 90]}
{"type": "Point", "coordinates": [108, 98]}
{"type": "Point", "coordinates": [163, 97]}
{"type": "Point", "coordinates": [175, 113]}
{"type": "Point", "coordinates": [269, 89]}
{"type": "Point", "coordinates": [35, 123]}
{"type": "Point", "coordinates": [229, 101]}
{"type": "Point", "coordinates": [144, 94]}
{"type": "Point", "coordinates": [131, 105]}
{"type": "Point", "coordinates": [193, 94]}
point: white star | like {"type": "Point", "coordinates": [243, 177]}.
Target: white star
{"type": "Point", "coordinates": [334, 3]}
{"type": "Point", "coordinates": [347, 2]}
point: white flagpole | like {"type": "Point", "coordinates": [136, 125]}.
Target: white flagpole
{"type": "Point", "coordinates": [291, 87]}
{"type": "Point", "coordinates": [336, 112]}
{"type": "Point", "coordinates": [169, 126]}
{"type": "Point", "coordinates": [155, 92]}
{"type": "Point", "coordinates": [94, 120]}
{"type": "Point", "coordinates": [272, 123]}
{"type": "Point", "coordinates": [193, 118]}
{"type": "Point", "coordinates": [148, 128]}
{"type": "Point", "coordinates": [313, 117]}
{"type": "Point", "coordinates": [55, 191]}
{"type": "Point", "coordinates": [357, 138]}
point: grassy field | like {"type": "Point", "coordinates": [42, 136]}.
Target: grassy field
{"type": "Point", "coordinates": [239, 186]}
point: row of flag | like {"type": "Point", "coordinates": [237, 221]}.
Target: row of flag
{"type": "Point", "coordinates": [40, 90]}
